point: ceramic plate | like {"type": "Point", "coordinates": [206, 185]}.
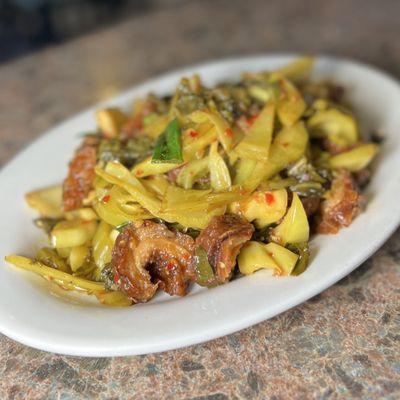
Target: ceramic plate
{"type": "Point", "coordinates": [30, 314]}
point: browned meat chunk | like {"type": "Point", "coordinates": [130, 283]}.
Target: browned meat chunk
{"type": "Point", "coordinates": [342, 206]}
{"type": "Point", "coordinates": [147, 256]}
{"type": "Point", "coordinates": [81, 173]}
{"type": "Point", "coordinates": [222, 239]}
{"type": "Point", "coordinates": [311, 204]}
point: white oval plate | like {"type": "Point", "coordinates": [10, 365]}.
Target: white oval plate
{"type": "Point", "coordinates": [31, 315]}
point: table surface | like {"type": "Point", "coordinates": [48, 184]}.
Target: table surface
{"type": "Point", "coordinates": [343, 343]}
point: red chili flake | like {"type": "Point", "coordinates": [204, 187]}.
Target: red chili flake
{"type": "Point", "coordinates": [228, 132]}
{"type": "Point", "coordinates": [193, 134]}
{"type": "Point", "coordinates": [139, 172]}
{"type": "Point", "coordinates": [106, 199]}
{"type": "Point", "coordinates": [251, 120]}
{"type": "Point", "coordinates": [269, 198]}
{"type": "Point", "coordinates": [116, 278]}
{"type": "Point", "coordinates": [186, 257]}
{"type": "Point", "coordinates": [170, 266]}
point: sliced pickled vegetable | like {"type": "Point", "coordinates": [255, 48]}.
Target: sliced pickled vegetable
{"type": "Point", "coordinates": [261, 93]}
{"type": "Point", "coordinates": [102, 245]}
{"type": "Point", "coordinates": [222, 129]}
{"type": "Point", "coordinates": [263, 207]}
{"type": "Point", "coordinates": [220, 178]}
{"type": "Point", "coordinates": [191, 171]}
{"type": "Point", "coordinates": [72, 233]}
{"type": "Point", "coordinates": [244, 170]}
{"type": "Point", "coordinates": [110, 121]}
{"type": "Point", "coordinates": [50, 258]}
{"type": "Point", "coordinates": [114, 299]}
{"type": "Point", "coordinates": [46, 201]}
{"type": "Point", "coordinates": [62, 278]}
{"type": "Point", "coordinates": [117, 207]}
{"type": "Point", "coordinates": [86, 214]}
{"type": "Point", "coordinates": [284, 258]}
{"type": "Point", "coordinates": [255, 145]}
{"type": "Point", "coordinates": [254, 256]}
{"type": "Point", "coordinates": [294, 227]}
{"type": "Point", "coordinates": [340, 128]}
{"type": "Point", "coordinates": [277, 183]}
{"type": "Point", "coordinates": [288, 146]}
{"type": "Point", "coordinates": [296, 70]}
{"type": "Point", "coordinates": [291, 105]}
{"type": "Point", "coordinates": [356, 159]}
{"type": "Point", "coordinates": [148, 167]}
{"type": "Point", "coordinates": [156, 126]}
{"type": "Point", "coordinates": [78, 256]}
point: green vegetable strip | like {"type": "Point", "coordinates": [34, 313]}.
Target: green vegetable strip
{"type": "Point", "coordinates": [168, 147]}
{"type": "Point", "coordinates": [204, 271]}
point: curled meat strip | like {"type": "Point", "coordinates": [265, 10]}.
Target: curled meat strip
{"type": "Point", "coordinates": [81, 173]}
{"type": "Point", "coordinates": [342, 206]}
{"type": "Point", "coordinates": [222, 239]}
{"type": "Point", "coordinates": [147, 256]}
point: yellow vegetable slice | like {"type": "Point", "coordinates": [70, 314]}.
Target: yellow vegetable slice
{"type": "Point", "coordinates": [356, 159]}
{"type": "Point", "coordinates": [264, 208]}
{"type": "Point", "coordinates": [295, 70]}
{"type": "Point", "coordinates": [220, 178]}
{"type": "Point", "coordinates": [146, 168]}
{"type": "Point", "coordinates": [255, 145]}
{"type": "Point", "coordinates": [60, 277]}
{"type": "Point", "coordinates": [102, 245]}
{"type": "Point", "coordinates": [156, 127]}
{"type": "Point", "coordinates": [291, 105]}
{"type": "Point", "coordinates": [63, 252]}
{"type": "Point", "coordinates": [114, 299]}
{"type": "Point", "coordinates": [72, 233]}
{"type": "Point", "coordinates": [191, 171]}
{"type": "Point", "coordinates": [244, 170]}
{"type": "Point", "coordinates": [195, 141]}
{"type": "Point", "coordinates": [46, 201]}
{"type": "Point", "coordinates": [78, 256]}
{"type": "Point", "coordinates": [294, 227]}
{"type": "Point", "coordinates": [110, 121]}
{"type": "Point", "coordinates": [117, 207]}
{"type": "Point", "coordinates": [86, 214]}
{"type": "Point", "coordinates": [117, 174]}
{"type": "Point", "coordinates": [339, 127]}
{"type": "Point", "coordinates": [223, 131]}
{"type": "Point", "coordinates": [288, 146]}
{"type": "Point", "coordinates": [51, 258]}
{"type": "Point", "coordinates": [254, 256]}
{"type": "Point", "coordinates": [284, 258]}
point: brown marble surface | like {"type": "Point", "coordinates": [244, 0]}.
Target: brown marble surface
{"type": "Point", "coordinates": [343, 343]}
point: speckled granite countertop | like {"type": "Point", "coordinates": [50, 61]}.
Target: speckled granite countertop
{"type": "Point", "coordinates": [343, 343]}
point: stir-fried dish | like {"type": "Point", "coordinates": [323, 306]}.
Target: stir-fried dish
{"type": "Point", "coordinates": [203, 186]}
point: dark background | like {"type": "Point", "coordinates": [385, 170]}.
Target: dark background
{"type": "Point", "coordinates": [27, 25]}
